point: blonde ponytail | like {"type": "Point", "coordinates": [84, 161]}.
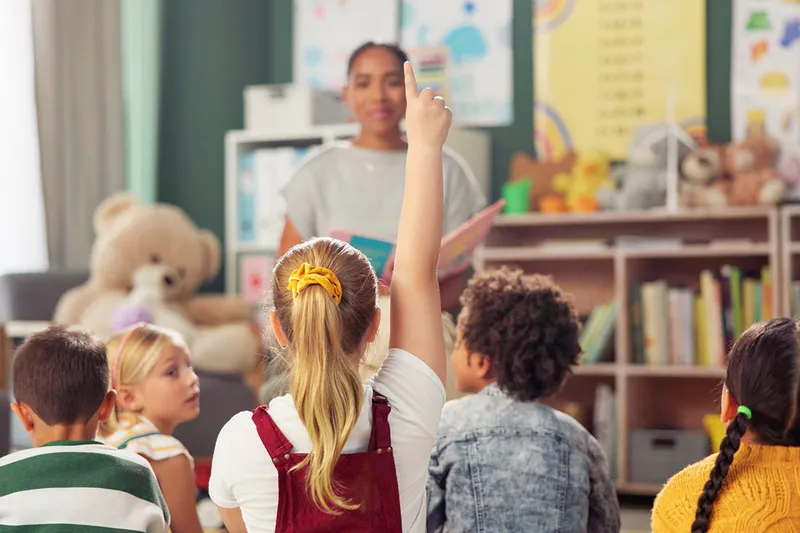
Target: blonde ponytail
{"type": "Point", "coordinates": [325, 296]}
{"type": "Point", "coordinates": [327, 392]}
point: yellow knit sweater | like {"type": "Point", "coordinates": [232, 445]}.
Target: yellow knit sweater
{"type": "Point", "coordinates": [761, 493]}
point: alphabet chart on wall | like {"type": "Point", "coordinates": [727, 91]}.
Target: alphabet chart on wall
{"type": "Point", "coordinates": [603, 68]}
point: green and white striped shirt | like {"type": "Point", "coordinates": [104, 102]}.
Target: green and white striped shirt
{"type": "Point", "coordinates": [84, 486]}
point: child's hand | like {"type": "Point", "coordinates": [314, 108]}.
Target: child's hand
{"type": "Point", "coordinates": [427, 118]}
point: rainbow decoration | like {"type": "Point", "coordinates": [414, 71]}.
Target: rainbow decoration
{"type": "Point", "coordinates": [550, 14]}
{"type": "Point", "coordinates": [550, 135]}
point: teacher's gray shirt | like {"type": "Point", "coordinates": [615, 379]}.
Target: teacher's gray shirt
{"type": "Point", "coordinates": [361, 190]}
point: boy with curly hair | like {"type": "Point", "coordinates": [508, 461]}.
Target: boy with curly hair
{"type": "Point", "coordinates": [504, 461]}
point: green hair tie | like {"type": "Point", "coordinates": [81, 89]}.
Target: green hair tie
{"type": "Point", "coordinates": [745, 411]}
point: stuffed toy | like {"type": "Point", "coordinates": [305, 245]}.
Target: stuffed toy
{"type": "Point", "coordinates": [148, 301]}
{"type": "Point", "coordinates": [641, 183]}
{"type": "Point", "coordinates": [541, 174]}
{"type": "Point", "coordinates": [750, 164]}
{"type": "Point", "coordinates": [703, 182]}
{"type": "Point", "coordinates": [580, 187]}
{"type": "Point", "coordinates": [132, 239]}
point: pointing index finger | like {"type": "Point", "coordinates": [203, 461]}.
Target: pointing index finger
{"type": "Point", "coordinates": [412, 91]}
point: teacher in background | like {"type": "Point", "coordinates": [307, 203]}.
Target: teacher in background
{"type": "Point", "coordinates": [358, 185]}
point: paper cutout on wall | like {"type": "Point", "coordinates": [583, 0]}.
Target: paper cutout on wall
{"type": "Point", "coordinates": [603, 68]}
{"type": "Point", "coordinates": [477, 35]}
{"type": "Point", "coordinates": [327, 31]}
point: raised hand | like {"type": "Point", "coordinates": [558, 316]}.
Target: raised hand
{"type": "Point", "coordinates": [428, 119]}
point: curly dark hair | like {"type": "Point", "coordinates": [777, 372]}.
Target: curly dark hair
{"type": "Point", "coordinates": [526, 326]}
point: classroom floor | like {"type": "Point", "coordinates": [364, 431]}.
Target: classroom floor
{"type": "Point", "coordinates": [635, 516]}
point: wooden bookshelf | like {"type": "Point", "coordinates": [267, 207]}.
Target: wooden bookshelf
{"type": "Point", "coordinates": [648, 396]}
{"type": "Point", "coordinates": [790, 255]}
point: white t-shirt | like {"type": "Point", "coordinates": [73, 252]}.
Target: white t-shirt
{"type": "Point", "coordinates": [361, 190]}
{"type": "Point", "coordinates": [243, 475]}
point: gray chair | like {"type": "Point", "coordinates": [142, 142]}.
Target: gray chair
{"type": "Point", "coordinates": [30, 296]}
{"type": "Point", "coordinates": [34, 296]}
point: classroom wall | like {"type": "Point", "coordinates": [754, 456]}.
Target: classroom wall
{"type": "Point", "coordinates": [212, 49]}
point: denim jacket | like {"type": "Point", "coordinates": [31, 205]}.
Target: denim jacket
{"type": "Point", "coordinates": [500, 465]}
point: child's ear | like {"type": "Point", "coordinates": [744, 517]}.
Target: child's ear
{"type": "Point", "coordinates": [277, 329]}
{"type": "Point", "coordinates": [25, 415]}
{"type": "Point", "coordinates": [127, 398]}
{"type": "Point", "coordinates": [374, 325]}
{"type": "Point", "coordinates": [107, 407]}
{"type": "Point", "coordinates": [729, 406]}
{"type": "Point", "coordinates": [484, 368]}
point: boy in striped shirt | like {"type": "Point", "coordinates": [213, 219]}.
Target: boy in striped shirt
{"type": "Point", "coordinates": [69, 482]}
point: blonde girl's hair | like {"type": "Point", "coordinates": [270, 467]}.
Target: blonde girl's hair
{"type": "Point", "coordinates": [132, 354]}
{"type": "Point", "coordinates": [325, 331]}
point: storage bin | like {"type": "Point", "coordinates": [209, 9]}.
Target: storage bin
{"type": "Point", "coordinates": [280, 106]}
{"type": "Point", "coordinates": [657, 454]}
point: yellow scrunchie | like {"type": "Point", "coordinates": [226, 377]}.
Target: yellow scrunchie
{"type": "Point", "coordinates": [307, 275]}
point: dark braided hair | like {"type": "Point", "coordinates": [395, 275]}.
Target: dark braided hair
{"type": "Point", "coordinates": [398, 52]}
{"type": "Point", "coordinates": [763, 374]}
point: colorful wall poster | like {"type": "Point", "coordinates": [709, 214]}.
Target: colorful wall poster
{"type": "Point", "coordinates": [479, 65]}
{"type": "Point", "coordinates": [261, 207]}
{"type": "Point", "coordinates": [605, 67]}
{"type": "Point", "coordinates": [430, 67]}
{"type": "Point", "coordinates": [765, 86]}
{"type": "Point", "coordinates": [327, 31]}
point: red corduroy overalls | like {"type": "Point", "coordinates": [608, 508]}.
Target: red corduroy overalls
{"type": "Point", "coordinates": [368, 478]}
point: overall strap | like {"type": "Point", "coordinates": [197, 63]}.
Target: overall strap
{"type": "Point", "coordinates": [380, 437]}
{"type": "Point", "coordinates": [277, 445]}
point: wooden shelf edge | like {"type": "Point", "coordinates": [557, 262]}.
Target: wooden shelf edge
{"type": "Point", "coordinates": [613, 217]}
{"type": "Point", "coordinates": [672, 371]}
{"type": "Point", "coordinates": [595, 369]}
{"type": "Point", "coordinates": [536, 253]}
{"type": "Point", "coordinates": [638, 489]}
{"type": "Point", "coordinates": [19, 329]}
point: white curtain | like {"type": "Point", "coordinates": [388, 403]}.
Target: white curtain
{"type": "Point", "coordinates": [23, 244]}
{"type": "Point", "coordinates": [78, 52]}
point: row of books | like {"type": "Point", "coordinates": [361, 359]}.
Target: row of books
{"type": "Point", "coordinates": [261, 176]}
{"type": "Point", "coordinates": [597, 334]}
{"type": "Point", "coordinates": [679, 325]}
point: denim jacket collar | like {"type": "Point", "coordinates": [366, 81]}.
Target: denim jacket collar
{"type": "Point", "coordinates": [492, 389]}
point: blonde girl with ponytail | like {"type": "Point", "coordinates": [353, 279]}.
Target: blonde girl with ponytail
{"type": "Point", "coordinates": [156, 390]}
{"type": "Point", "coordinates": [336, 454]}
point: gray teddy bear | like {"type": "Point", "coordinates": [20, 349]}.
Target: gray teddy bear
{"type": "Point", "coordinates": [641, 182]}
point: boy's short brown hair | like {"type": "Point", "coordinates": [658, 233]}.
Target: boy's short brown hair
{"type": "Point", "coordinates": [526, 326]}
{"type": "Point", "coordinates": [61, 374]}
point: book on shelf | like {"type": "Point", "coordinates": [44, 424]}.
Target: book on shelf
{"type": "Point", "coordinates": [682, 326]}
{"type": "Point", "coordinates": [255, 275]}
{"type": "Point", "coordinates": [455, 255]}
{"type": "Point", "coordinates": [794, 298]}
{"type": "Point", "coordinates": [597, 334]}
{"type": "Point", "coordinates": [261, 176]}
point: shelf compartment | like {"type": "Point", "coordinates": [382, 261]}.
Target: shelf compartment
{"type": "Point", "coordinates": [590, 283]}
{"type": "Point", "coordinates": [670, 402]}
{"type": "Point", "coordinates": [580, 391]}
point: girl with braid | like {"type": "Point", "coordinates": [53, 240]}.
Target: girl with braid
{"type": "Point", "coordinates": [753, 484]}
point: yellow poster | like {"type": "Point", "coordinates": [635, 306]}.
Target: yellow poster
{"type": "Point", "coordinates": [603, 67]}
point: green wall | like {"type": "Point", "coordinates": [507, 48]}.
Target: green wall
{"type": "Point", "coordinates": [212, 49]}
